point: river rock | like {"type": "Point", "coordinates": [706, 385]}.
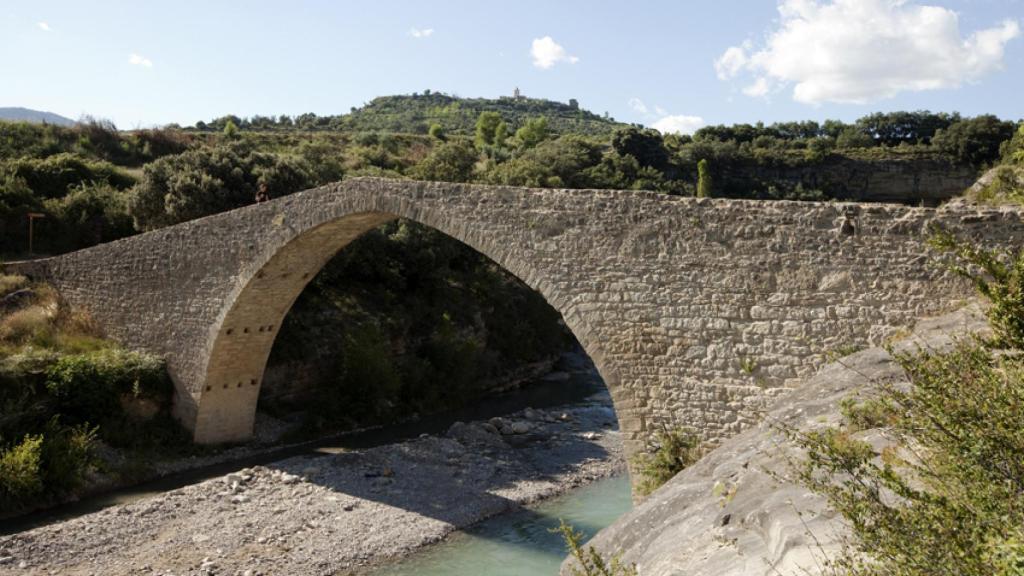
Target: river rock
{"type": "Point", "coordinates": [521, 427]}
{"type": "Point", "coordinates": [476, 434]}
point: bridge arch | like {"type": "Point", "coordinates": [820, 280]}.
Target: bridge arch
{"type": "Point", "coordinates": [223, 407]}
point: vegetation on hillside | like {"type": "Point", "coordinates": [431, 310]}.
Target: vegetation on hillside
{"type": "Point", "coordinates": [68, 397]}
{"type": "Point", "coordinates": [417, 113]}
{"type": "Point", "coordinates": [945, 497]}
{"type": "Point", "coordinates": [1007, 179]}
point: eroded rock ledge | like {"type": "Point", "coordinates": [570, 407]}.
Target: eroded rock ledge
{"type": "Point", "coordinates": [728, 516]}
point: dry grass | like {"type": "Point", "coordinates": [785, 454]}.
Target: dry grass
{"type": "Point", "coordinates": [11, 282]}
{"type": "Point", "coordinates": [46, 322]}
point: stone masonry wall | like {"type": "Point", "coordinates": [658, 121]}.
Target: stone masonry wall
{"type": "Point", "coordinates": [697, 312]}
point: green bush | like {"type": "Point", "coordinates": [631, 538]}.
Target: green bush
{"type": "Point", "coordinates": [54, 176]}
{"type": "Point", "coordinates": [999, 277]}
{"type": "Point", "coordinates": [589, 561]}
{"type": "Point", "coordinates": [20, 475]}
{"type": "Point", "coordinates": [944, 498]}
{"type": "Point", "coordinates": [88, 387]}
{"type": "Point", "coordinates": [949, 505]}
{"type": "Point", "coordinates": [89, 214]}
{"type": "Point", "coordinates": [674, 451]}
{"type": "Point", "coordinates": [205, 181]}
{"type": "Point", "coordinates": [67, 456]}
{"type": "Point", "coordinates": [450, 162]}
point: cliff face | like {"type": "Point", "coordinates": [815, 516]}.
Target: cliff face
{"type": "Point", "coordinates": [911, 180]}
{"type": "Point", "coordinates": [734, 513]}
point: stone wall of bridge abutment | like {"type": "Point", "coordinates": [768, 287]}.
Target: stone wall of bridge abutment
{"type": "Point", "coordinates": [696, 311]}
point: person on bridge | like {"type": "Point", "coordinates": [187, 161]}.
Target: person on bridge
{"type": "Point", "coordinates": [261, 194]}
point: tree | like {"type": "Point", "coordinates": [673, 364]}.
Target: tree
{"type": "Point", "coordinates": [574, 104]}
{"type": "Point", "coordinates": [205, 181]}
{"type": "Point", "coordinates": [437, 132]}
{"type": "Point", "coordinates": [533, 132]}
{"type": "Point", "coordinates": [449, 162]}
{"type": "Point", "coordinates": [646, 145]}
{"type": "Point", "coordinates": [230, 130]}
{"type": "Point", "coordinates": [486, 128]}
{"type": "Point", "coordinates": [851, 137]}
{"type": "Point", "coordinates": [703, 179]}
{"type": "Point", "coordinates": [975, 141]}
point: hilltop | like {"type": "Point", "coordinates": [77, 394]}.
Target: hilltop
{"type": "Point", "coordinates": [17, 114]}
{"type": "Point", "coordinates": [416, 113]}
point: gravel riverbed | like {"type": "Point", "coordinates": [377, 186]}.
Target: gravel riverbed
{"type": "Point", "coordinates": [334, 513]}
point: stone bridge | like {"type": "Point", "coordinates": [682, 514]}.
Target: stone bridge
{"type": "Point", "coordinates": [696, 311]}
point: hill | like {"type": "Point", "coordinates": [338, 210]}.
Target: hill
{"type": "Point", "coordinates": [415, 113]}
{"type": "Point", "coordinates": [17, 114]}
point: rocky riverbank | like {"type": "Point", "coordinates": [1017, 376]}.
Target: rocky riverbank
{"type": "Point", "coordinates": [334, 513]}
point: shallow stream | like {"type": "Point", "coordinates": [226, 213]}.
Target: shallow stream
{"type": "Point", "coordinates": [520, 543]}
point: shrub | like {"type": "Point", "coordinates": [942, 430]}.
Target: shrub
{"type": "Point", "coordinates": [92, 213]}
{"type": "Point", "coordinates": [33, 324]}
{"type": "Point", "coordinates": [944, 498]}
{"type": "Point", "coordinates": [205, 181]}
{"type": "Point", "coordinates": [88, 387]}
{"type": "Point", "coordinates": [67, 456]}
{"type": "Point", "coordinates": [450, 162]}
{"type": "Point", "coordinates": [589, 560]}
{"type": "Point", "coordinates": [54, 176]}
{"type": "Point", "coordinates": [949, 505]}
{"type": "Point", "coordinates": [20, 475]}
{"type": "Point", "coordinates": [999, 277]}
{"type": "Point", "coordinates": [674, 451]}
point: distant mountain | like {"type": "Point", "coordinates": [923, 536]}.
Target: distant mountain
{"type": "Point", "coordinates": [416, 113]}
{"type": "Point", "coordinates": [38, 116]}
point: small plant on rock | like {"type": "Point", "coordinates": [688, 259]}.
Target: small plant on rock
{"type": "Point", "coordinates": [674, 450]}
{"type": "Point", "coordinates": [589, 560]}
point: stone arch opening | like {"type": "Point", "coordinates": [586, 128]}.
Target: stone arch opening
{"type": "Point", "coordinates": [223, 409]}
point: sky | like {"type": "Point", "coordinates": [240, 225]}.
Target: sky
{"type": "Point", "coordinates": [674, 65]}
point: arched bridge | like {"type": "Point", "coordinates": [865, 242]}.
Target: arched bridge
{"type": "Point", "coordinates": [696, 311]}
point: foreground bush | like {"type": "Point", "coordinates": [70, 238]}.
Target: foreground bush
{"type": "Point", "coordinates": [946, 497]}
{"type": "Point", "coordinates": [674, 451]}
{"type": "Point", "coordinates": [47, 465]}
{"type": "Point", "coordinates": [589, 561]}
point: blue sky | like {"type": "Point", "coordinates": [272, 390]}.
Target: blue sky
{"type": "Point", "coordinates": [671, 64]}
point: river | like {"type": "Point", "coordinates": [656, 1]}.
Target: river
{"type": "Point", "coordinates": [520, 543]}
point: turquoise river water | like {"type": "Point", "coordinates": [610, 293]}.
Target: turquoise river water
{"type": "Point", "coordinates": [520, 543]}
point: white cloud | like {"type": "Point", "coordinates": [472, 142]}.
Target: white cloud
{"type": "Point", "coordinates": [638, 106]}
{"type": "Point", "coordinates": [421, 32]}
{"type": "Point", "coordinates": [760, 87]}
{"type": "Point", "coordinates": [44, 26]}
{"type": "Point", "coordinates": [546, 53]}
{"type": "Point", "coordinates": [678, 124]}
{"type": "Point", "coordinates": [858, 51]}
{"type": "Point", "coordinates": [137, 60]}
{"type": "Point", "coordinates": [729, 64]}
